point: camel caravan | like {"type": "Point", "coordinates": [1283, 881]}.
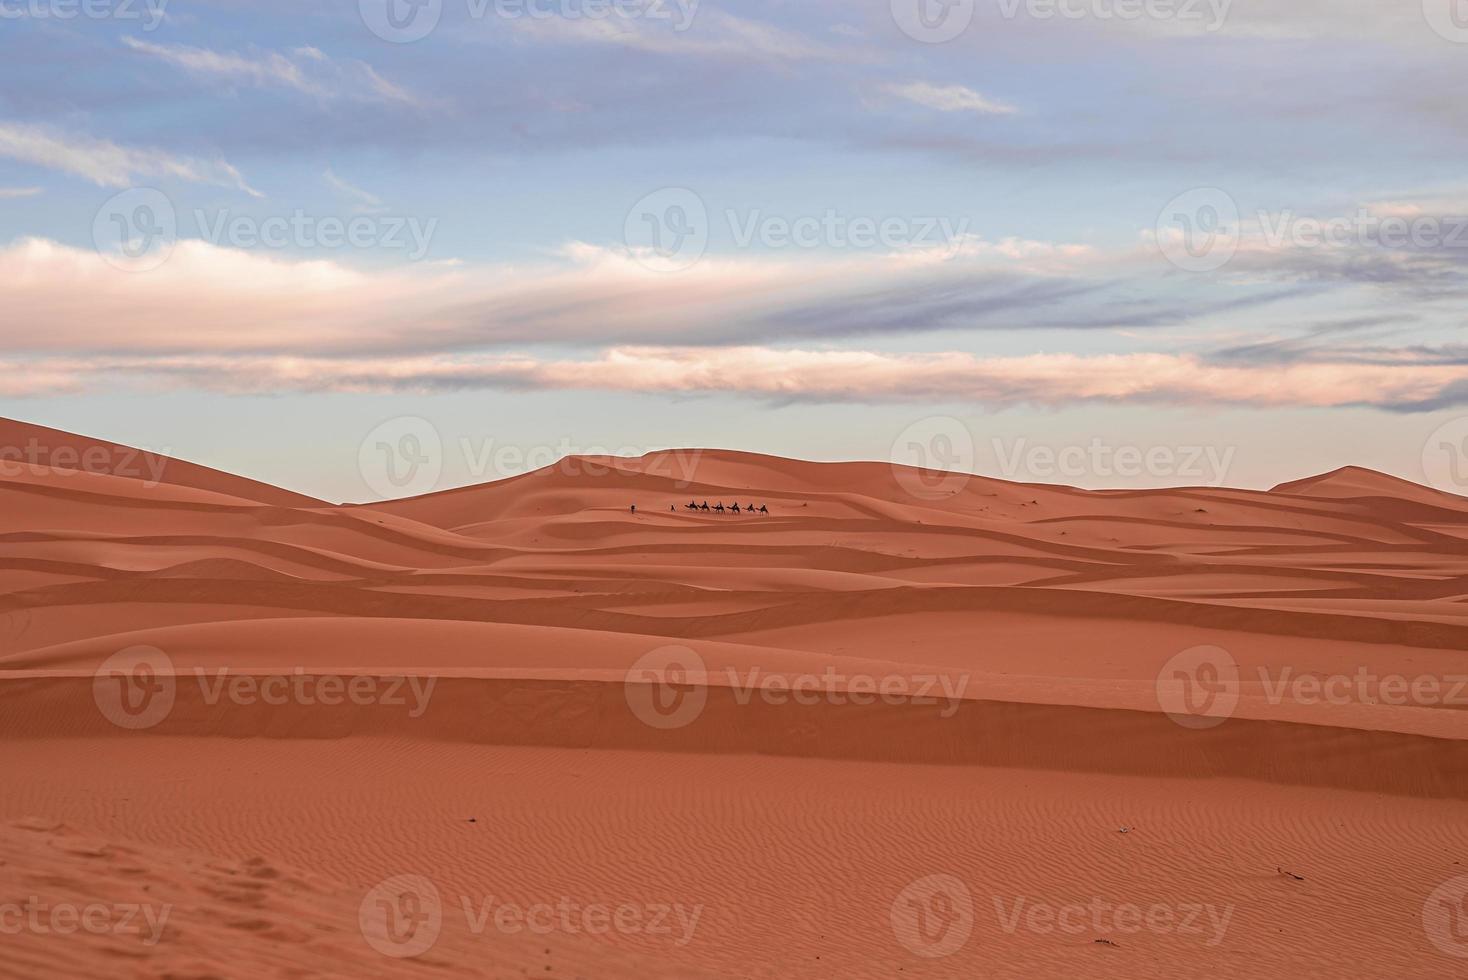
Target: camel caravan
{"type": "Point", "coordinates": [718, 508]}
{"type": "Point", "coordinates": [731, 509]}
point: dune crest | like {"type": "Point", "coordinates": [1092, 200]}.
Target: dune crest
{"type": "Point", "coordinates": [528, 694]}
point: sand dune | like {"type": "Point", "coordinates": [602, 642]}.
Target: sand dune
{"type": "Point", "coordinates": [904, 724]}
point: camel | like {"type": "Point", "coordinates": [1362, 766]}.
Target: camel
{"type": "Point", "coordinates": [763, 509]}
{"type": "Point", "coordinates": [718, 508]}
{"type": "Point", "coordinates": [693, 505]}
{"type": "Point", "coordinates": [705, 505]}
{"type": "Point", "coordinates": [736, 508]}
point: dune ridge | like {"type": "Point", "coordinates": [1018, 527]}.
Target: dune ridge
{"type": "Point", "coordinates": [1048, 619]}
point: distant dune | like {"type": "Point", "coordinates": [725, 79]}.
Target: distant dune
{"type": "Point", "coordinates": [1007, 697]}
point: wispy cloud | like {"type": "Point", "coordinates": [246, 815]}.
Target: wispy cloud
{"type": "Point", "coordinates": [307, 70]}
{"type": "Point", "coordinates": [950, 98]}
{"type": "Point", "coordinates": [786, 375]}
{"type": "Point", "coordinates": [107, 164]}
{"type": "Point", "coordinates": [715, 34]}
{"type": "Point", "coordinates": [11, 193]}
{"type": "Point", "coordinates": [367, 202]}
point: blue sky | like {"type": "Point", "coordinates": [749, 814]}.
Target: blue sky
{"type": "Point", "coordinates": [252, 234]}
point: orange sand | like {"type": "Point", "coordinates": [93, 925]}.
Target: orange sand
{"type": "Point", "coordinates": [516, 730]}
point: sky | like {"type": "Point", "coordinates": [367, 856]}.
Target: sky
{"type": "Point", "coordinates": [369, 248]}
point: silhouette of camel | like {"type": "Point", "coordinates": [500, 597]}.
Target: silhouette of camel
{"type": "Point", "coordinates": [763, 509]}
{"type": "Point", "coordinates": [718, 508]}
{"type": "Point", "coordinates": [705, 505]}
{"type": "Point", "coordinates": [750, 508]}
{"type": "Point", "coordinates": [693, 505]}
{"type": "Point", "coordinates": [736, 508]}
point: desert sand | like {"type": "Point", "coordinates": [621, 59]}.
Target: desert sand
{"type": "Point", "coordinates": [905, 724]}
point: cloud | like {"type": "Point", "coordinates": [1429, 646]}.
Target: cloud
{"type": "Point", "coordinates": [215, 298]}
{"type": "Point", "coordinates": [108, 164]}
{"type": "Point", "coordinates": [778, 374]}
{"type": "Point", "coordinates": [950, 98]}
{"type": "Point", "coordinates": [11, 193]}
{"type": "Point", "coordinates": [714, 34]}
{"type": "Point", "coordinates": [307, 70]}
{"type": "Point", "coordinates": [367, 203]}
